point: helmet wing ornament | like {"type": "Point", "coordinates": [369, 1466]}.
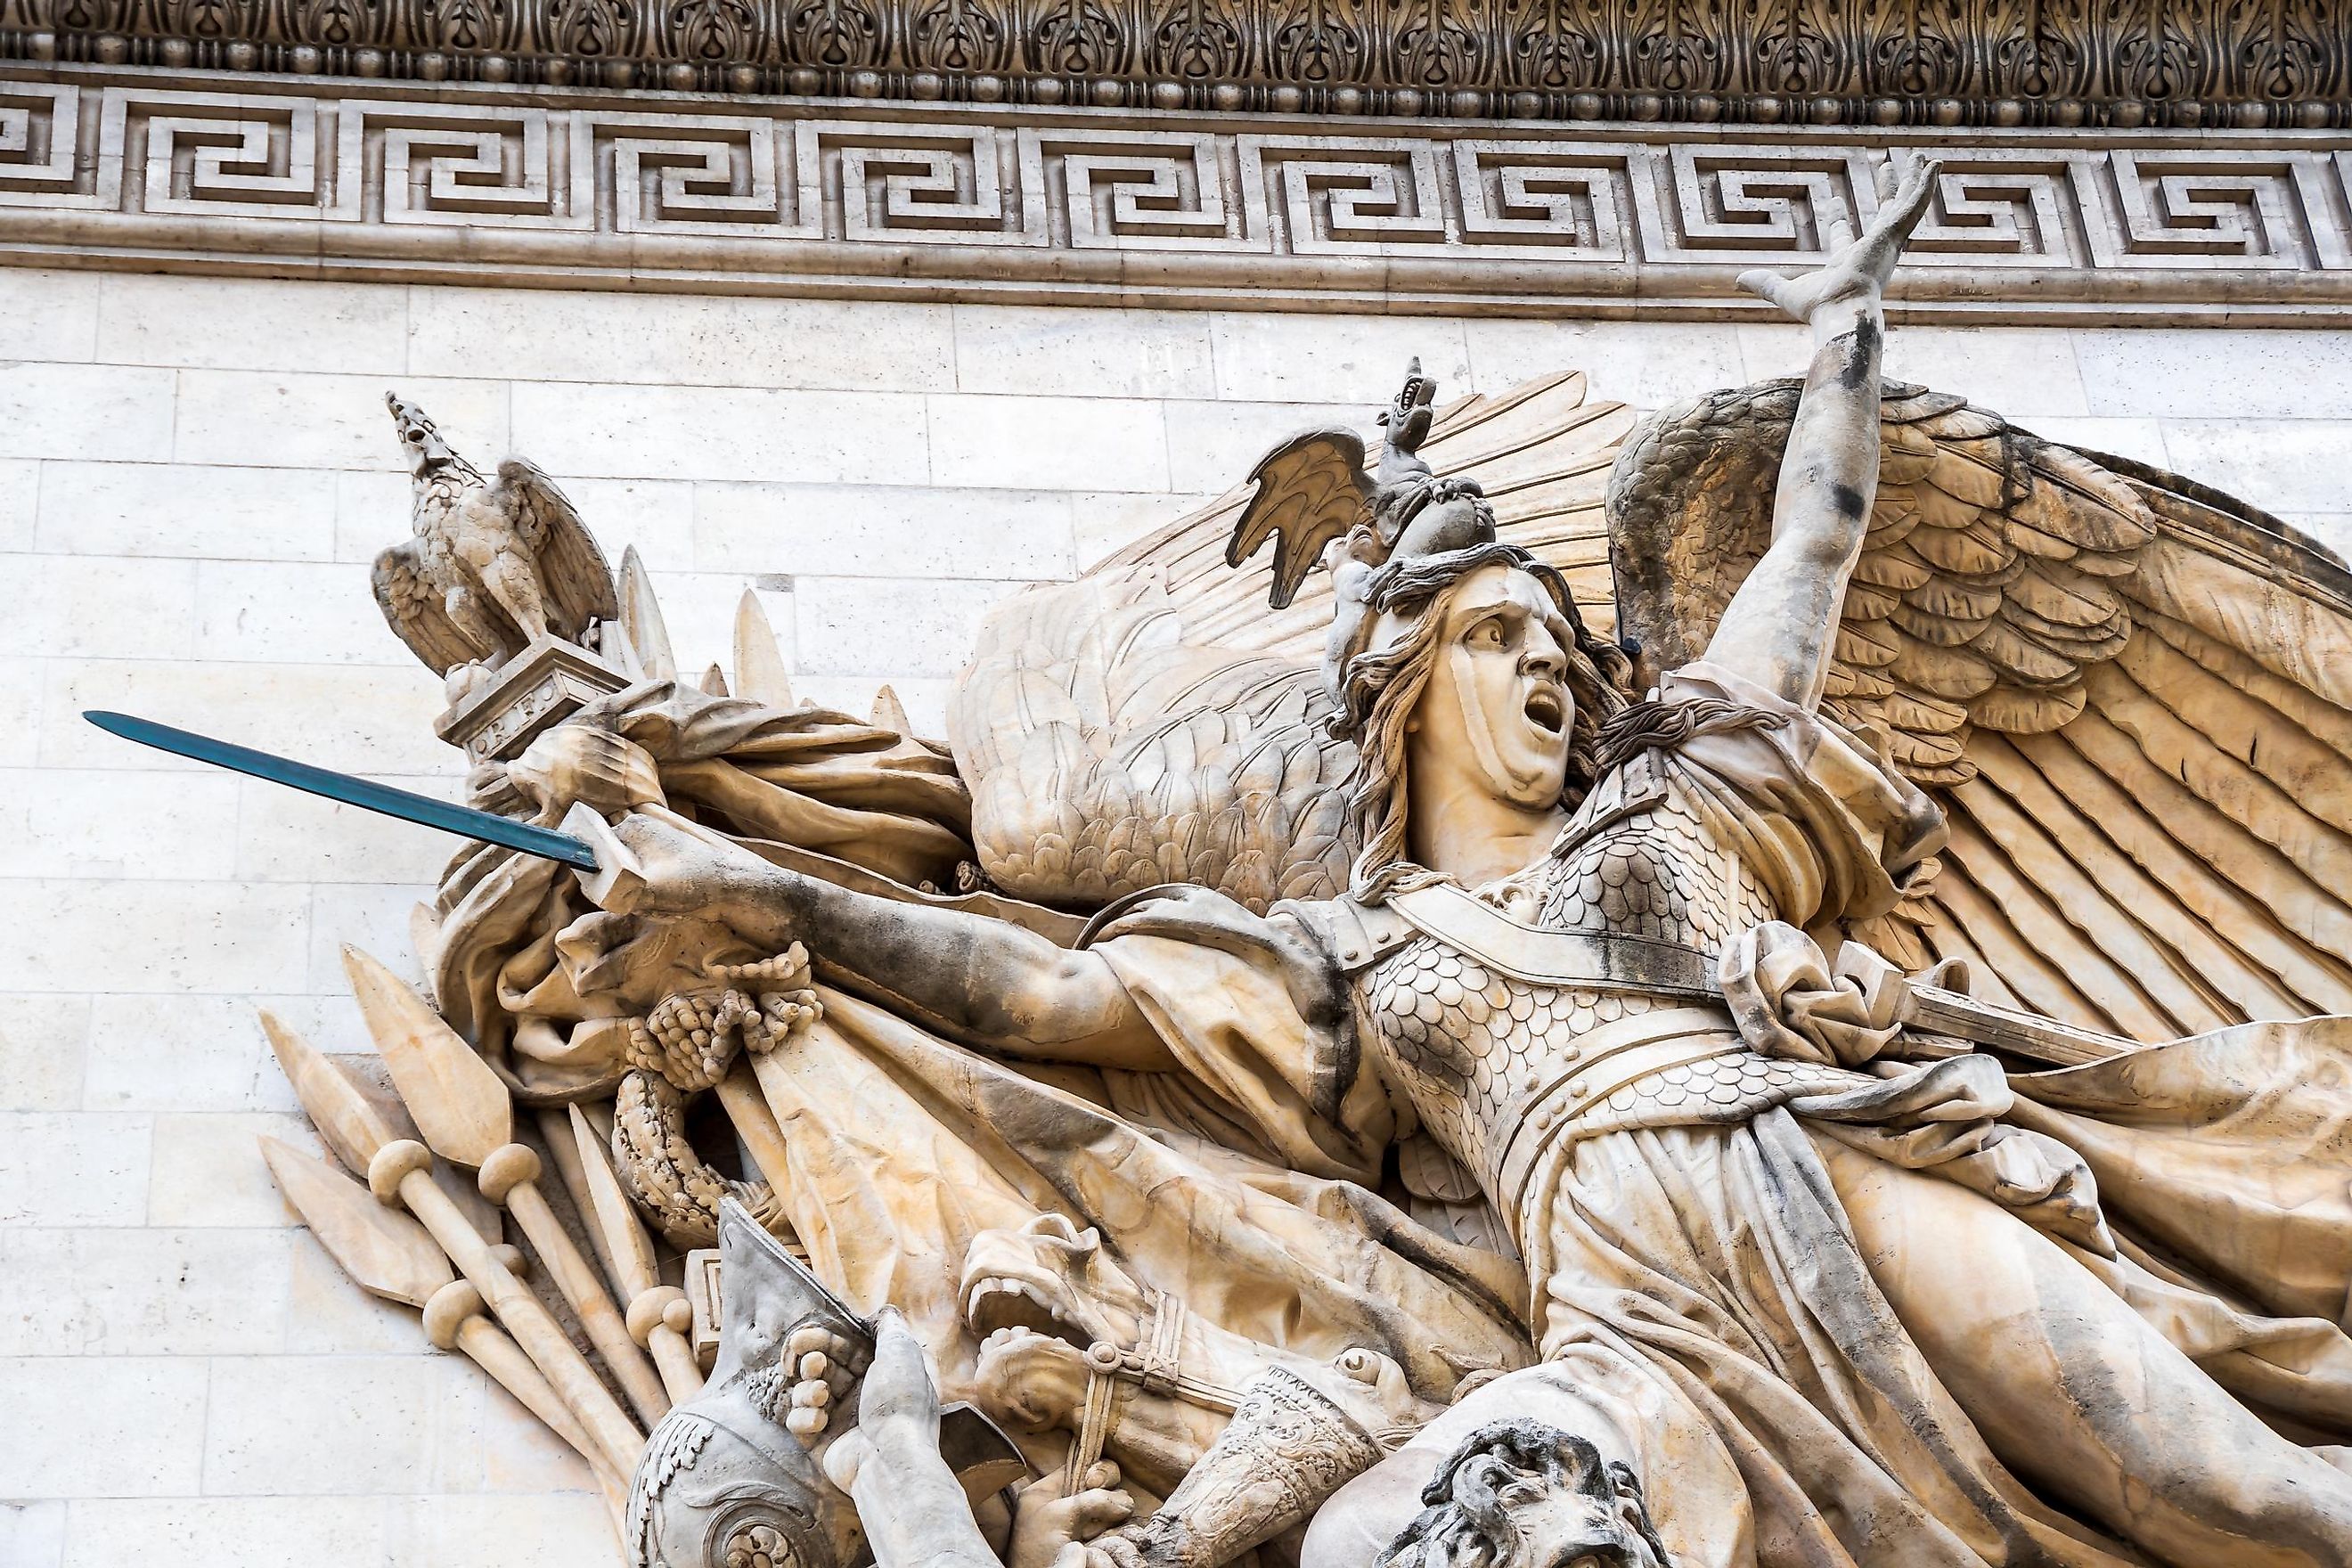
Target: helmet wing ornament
{"type": "Point", "coordinates": [1309, 491]}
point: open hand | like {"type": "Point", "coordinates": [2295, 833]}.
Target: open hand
{"type": "Point", "coordinates": [1846, 286]}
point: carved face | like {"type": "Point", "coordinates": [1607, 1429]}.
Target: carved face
{"type": "Point", "coordinates": [1497, 700]}
{"type": "Point", "coordinates": [1558, 1524]}
{"type": "Point", "coordinates": [1036, 1298]}
{"type": "Point", "coordinates": [1519, 1494]}
{"type": "Point", "coordinates": [1049, 1278]}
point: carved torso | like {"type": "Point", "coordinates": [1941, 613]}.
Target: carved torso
{"type": "Point", "coordinates": [1655, 873]}
{"type": "Point", "coordinates": [1467, 1043]}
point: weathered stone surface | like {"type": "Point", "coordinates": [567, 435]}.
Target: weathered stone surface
{"type": "Point", "coordinates": [109, 1426]}
{"type": "Point", "coordinates": [152, 1291]}
{"type": "Point", "coordinates": [43, 1043]}
{"type": "Point", "coordinates": [168, 510]}
{"type": "Point", "coordinates": [61, 409]}
{"type": "Point", "coordinates": [74, 1169]}
{"type": "Point", "coordinates": [310, 418]}
{"type": "Point", "coordinates": [838, 436]}
{"type": "Point", "coordinates": [868, 530]}
{"type": "Point", "coordinates": [222, 324]}
{"type": "Point", "coordinates": [1098, 442]}
{"type": "Point", "coordinates": [683, 340]}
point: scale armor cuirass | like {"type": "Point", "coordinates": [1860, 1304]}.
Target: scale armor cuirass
{"type": "Point", "coordinates": [1465, 1042]}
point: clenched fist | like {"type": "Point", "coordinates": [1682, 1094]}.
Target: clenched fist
{"type": "Point", "coordinates": [1045, 1524]}
{"type": "Point", "coordinates": [579, 763]}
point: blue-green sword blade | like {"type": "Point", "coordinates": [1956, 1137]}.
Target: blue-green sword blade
{"type": "Point", "coordinates": [462, 820]}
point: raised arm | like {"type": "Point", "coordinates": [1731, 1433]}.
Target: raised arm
{"type": "Point", "coordinates": [986, 981]}
{"type": "Point", "coordinates": [1780, 627]}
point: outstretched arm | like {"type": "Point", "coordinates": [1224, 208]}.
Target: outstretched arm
{"type": "Point", "coordinates": [987, 981]}
{"type": "Point", "coordinates": [1781, 624]}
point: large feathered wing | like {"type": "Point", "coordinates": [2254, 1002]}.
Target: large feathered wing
{"type": "Point", "coordinates": [1155, 722]}
{"type": "Point", "coordinates": [574, 575]}
{"type": "Point", "coordinates": [2132, 694]}
{"type": "Point", "coordinates": [413, 607]}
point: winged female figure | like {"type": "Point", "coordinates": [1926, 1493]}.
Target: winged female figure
{"type": "Point", "coordinates": [1605, 940]}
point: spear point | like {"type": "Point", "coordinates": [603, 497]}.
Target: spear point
{"type": "Point", "coordinates": [348, 1123]}
{"type": "Point", "coordinates": [624, 1236]}
{"type": "Point", "coordinates": [386, 1253]}
{"type": "Point", "coordinates": [461, 1107]}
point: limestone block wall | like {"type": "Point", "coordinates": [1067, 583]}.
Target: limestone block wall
{"type": "Point", "coordinates": [194, 477]}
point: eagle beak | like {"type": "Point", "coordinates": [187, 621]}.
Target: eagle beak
{"type": "Point", "coordinates": [426, 452]}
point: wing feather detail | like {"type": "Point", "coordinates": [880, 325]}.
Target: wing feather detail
{"type": "Point", "coordinates": [2132, 694]}
{"type": "Point", "coordinates": [414, 609]}
{"type": "Point", "coordinates": [1153, 722]}
{"type": "Point", "coordinates": [572, 570]}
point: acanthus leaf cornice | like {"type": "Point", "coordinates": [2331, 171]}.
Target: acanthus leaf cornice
{"type": "Point", "coordinates": [2062, 63]}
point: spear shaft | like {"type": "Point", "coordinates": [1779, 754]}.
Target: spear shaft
{"type": "Point", "coordinates": [466, 1115]}
{"type": "Point", "coordinates": [399, 1173]}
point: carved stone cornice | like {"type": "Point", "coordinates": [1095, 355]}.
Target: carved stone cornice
{"type": "Point", "coordinates": [2061, 63]}
{"type": "Point", "coordinates": [575, 188]}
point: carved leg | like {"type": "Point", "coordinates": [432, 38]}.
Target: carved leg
{"type": "Point", "coordinates": [1038, 1383]}
{"type": "Point", "coordinates": [514, 583]}
{"type": "Point", "coordinates": [2073, 1390]}
{"type": "Point", "coordinates": [907, 1496]}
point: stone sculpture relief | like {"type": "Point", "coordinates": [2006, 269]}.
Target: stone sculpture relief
{"type": "Point", "coordinates": [1976, 62]}
{"type": "Point", "coordinates": [1764, 984]}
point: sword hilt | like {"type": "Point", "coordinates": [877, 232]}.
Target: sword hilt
{"type": "Point", "coordinates": [618, 881]}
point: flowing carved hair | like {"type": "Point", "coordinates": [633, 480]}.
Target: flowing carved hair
{"type": "Point", "coordinates": [1380, 689]}
{"type": "Point", "coordinates": [1467, 1521]}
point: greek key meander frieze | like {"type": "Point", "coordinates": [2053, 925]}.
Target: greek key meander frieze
{"type": "Point", "coordinates": [2117, 63]}
{"type": "Point", "coordinates": [2108, 220]}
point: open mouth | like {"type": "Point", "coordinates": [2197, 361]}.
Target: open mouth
{"type": "Point", "coordinates": [1013, 1337]}
{"type": "Point", "coordinates": [1547, 709]}
{"type": "Point", "coordinates": [994, 1304]}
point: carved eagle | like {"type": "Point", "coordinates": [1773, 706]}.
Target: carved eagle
{"type": "Point", "coordinates": [493, 564]}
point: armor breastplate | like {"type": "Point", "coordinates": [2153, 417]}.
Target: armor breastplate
{"type": "Point", "coordinates": [1507, 1033]}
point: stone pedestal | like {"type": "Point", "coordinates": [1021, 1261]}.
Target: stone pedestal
{"type": "Point", "coordinates": [536, 690]}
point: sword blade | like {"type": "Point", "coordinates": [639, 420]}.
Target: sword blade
{"type": "Point", "coordinates": [462, 820]}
